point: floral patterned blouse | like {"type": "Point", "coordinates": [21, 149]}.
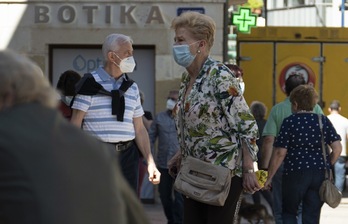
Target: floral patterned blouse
{"type": "Point", "coordinates": [215, 117]}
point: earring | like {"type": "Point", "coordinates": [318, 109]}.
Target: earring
{"type": "Point", "coordinates": [199, 51]}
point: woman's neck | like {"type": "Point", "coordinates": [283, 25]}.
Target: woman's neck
{"type": "Point", "coordinates": [194, 69]}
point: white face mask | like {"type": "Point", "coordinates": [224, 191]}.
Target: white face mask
{"type": "Point", "coordinates": [126, 65]}
{"type": "Point", "coordinates": [170, 104]}
{"type": "Point", "coordinates": [242, 86]}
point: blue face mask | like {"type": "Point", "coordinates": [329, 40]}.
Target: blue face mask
{"type": "Point", "coordinates": [182, 55]}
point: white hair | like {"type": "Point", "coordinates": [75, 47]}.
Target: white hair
{"type": "Point", "coordinates": [112, 43]}
{"type": "Point", "coordinates": [23, 81]}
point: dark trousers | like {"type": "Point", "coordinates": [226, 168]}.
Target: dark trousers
{"type": "Point", "coordinates": [200, 213]}
{"type": "Point", "coordinates": [129, 160]}
{"type": "Point", "coordinates": [302, 186]}
{"type": "Point", "coordinates": [172, 201]}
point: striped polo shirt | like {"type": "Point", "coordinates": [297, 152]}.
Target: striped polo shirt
{"type": "Point", "coordinates": [99, 121]}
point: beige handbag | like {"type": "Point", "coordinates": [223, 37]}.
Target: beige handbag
{"type": "Point", "coordinates": [202, 181]}
{"type": "Point", "coordinates": [328, 192]}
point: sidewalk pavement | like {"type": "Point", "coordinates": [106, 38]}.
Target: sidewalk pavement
{"type": "Point", "coordinates": [329, 215]}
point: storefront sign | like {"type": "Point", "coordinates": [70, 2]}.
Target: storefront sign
{"type": "Point", "coordinates": [296, 68]}
{"type": "Point", "coordinates": [109, 14]}
{"type": "Point", "coordinates": [244, 20]}
{"type": "Point", "coordinates": [185, 9]}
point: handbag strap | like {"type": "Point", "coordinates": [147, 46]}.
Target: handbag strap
{"type": "Point", "coordinates": [181, 124]}
{"type": "Point", "coordinates": [327, 173]}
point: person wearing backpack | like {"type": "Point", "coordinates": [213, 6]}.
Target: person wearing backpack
{"type": "Point", "coordinates": [107, 106]}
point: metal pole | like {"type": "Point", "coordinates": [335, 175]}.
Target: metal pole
{"type": "Point", "coordinates": [265, 11]}
{"type": "Point", "coordinates": [225, 34]}
{"type": "Point", "coordinates": [342, 13]}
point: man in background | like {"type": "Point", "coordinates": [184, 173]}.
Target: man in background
{"type": "Point", "coordinates": [340, 123]}
{"type": "Point", "coordinates": [163, 128]}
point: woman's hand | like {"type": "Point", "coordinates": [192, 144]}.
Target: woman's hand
{"type": "Point", "coordinates": [250, 183]}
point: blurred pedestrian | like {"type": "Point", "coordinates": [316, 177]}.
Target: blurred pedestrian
{"type": "Point", "coordinates": [144, 183]}
{"type": "Point", "coordinates": [239, 75]}
{"type": "Point", "coordinates": [259, 110]}
{"type": "Point", "coordinates": [163, 128]}
{"type": "Point", "coordinates": [341, 125]}
{"type": "Point", "coordinates": [66, 87]}
{"type": "Point", "coordinates": [50, 171]}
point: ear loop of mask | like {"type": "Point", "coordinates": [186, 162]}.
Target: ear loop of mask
{"type": "Point", "coordinates": [118, 58]}
{"type": "Point", "coordinates": [198, 51]}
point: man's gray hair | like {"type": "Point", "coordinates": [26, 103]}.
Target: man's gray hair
{"type": "Point", "coordinates": [113, 42]}
{"type": "Point", "coordinates": [335, 105]}
{"type": "Point", "coordinates": [22, 81]}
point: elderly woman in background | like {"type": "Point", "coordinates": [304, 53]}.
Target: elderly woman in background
{"type": "Point", "coordinates": [217, 123]}
{"type": "Point", "coordinates": [299, 146]}
{"type": "Point", "coordinates": [238, 73]}
{"type": "Point", "coordinates": [259, 110]}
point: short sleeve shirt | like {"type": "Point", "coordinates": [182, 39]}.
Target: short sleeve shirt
{"type": "Point", "coordinates": [99, 120]}
{"type": "Point", "coordinates": [300, 134]}
{"type": "Point", "coordinates": [341, 125]}
{"type": "Point", "coordinates": [278, 113]}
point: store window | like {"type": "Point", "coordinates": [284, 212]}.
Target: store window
{"type": "Point", "coordinates": [291, 3]}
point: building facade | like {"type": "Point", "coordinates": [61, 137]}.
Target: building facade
{"type": "Point", "coordinates": [60, 35]}
{"type": "Point", "coordinates": [309, 13]}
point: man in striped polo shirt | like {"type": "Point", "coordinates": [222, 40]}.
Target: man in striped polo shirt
{"type": "Point", "coordinates": [95, 113]}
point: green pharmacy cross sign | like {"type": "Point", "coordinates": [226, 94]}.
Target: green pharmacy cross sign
{"type": "Point", "coordinates": [244, 20]}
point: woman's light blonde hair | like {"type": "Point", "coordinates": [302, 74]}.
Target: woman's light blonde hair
{"type": "Point", "coordinates": [201, 26]}
{"type": "Point", "coordinates": [23, 81]}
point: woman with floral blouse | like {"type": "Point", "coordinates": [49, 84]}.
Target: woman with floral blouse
{"type": "Point", "coordinates": [299, 145]}
{"type": "Point", "coordinates": [217, 123]}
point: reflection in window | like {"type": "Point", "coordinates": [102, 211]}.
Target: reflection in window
{"type": "Point", "coordinates": [290, 3]}
{"type": "Point", "coordinates": [278, 4]}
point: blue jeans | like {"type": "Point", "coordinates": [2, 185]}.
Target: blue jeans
{"type": "Point", "coordinates": [302, 186]}
{"type": "Point", "coordinates": [340, 173]}
{"type": "Point", "coordinates": [173, 207]}
{"type": "Point", "coordinates": [277, 195]}
{"type": "Point", "coordinates": [129, 162]}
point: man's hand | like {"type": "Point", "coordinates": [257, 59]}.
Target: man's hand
{"type": "Point", "coordinates": [268, 184]}
{"type": "Point", "coordinates": [154, 174]}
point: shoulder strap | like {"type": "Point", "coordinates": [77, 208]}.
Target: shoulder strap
{"type": "Point", "coordinates": [88, 86]}
{"type": "Point", "coordinates": [72, 101]}
{"type": "Point", "coordinates": [327, 172]}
